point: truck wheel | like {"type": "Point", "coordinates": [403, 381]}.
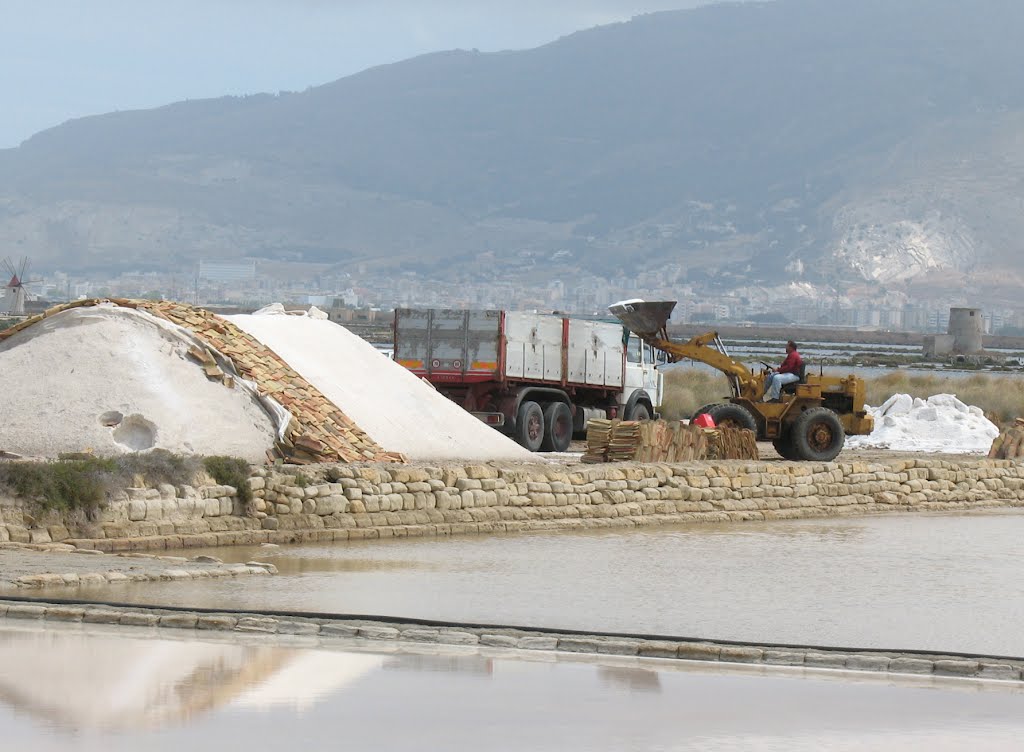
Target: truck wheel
{"type": "Point", "coordinates": [729, 415]}
{"type": "Point", "coordinates": [530, 425]}
{"type": "Point", "coordinates": [817, 435]}
{"type": "Point", "coordinates": [557, 427]}
{"type": "Point", "coordinates": [639, 412]}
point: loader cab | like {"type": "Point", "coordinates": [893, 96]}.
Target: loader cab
{"type": "Point", "coordinates": [642, 375]}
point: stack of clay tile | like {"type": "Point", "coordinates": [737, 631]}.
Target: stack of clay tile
{"type": "Point", "coordinates": [1010, 443]}
{"type": "Point", "coordinates": [663, 441]}
{"type": "Point", "coordinates": [319, 431]}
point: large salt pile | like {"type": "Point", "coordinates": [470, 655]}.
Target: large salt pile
{"type": "Point", "coordinates": [942, 423]}
{"type": "Point", "coordinates": [397, 410]}
{"type": "Point", "coordinates": [111, 380]}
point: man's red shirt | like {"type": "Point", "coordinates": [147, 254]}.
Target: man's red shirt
{"type": "Point", "coordinates": [792, 363]}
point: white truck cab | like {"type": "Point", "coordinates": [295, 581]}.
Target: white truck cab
{"type": "Point", "coordinates": [642, 378]}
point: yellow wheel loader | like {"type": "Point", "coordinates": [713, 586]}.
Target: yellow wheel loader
{"type": "Point", "coordinates": [810, 422]}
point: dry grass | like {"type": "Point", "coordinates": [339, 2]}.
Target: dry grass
{"type": "Point", "coordinates": [1001, 397]}
{"type": "Point", "coordinates": [687, 389]}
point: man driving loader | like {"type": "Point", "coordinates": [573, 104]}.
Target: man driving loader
{"type": "Point", "coordinates": [787, 373]}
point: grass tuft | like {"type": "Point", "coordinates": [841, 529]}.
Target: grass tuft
{"type": "Point", "coordinates": [230, 471]}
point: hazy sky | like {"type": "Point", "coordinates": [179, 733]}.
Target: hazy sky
{"type": "Point", "coordinates": [61, 59]}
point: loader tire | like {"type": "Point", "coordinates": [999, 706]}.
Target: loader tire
{"type": "Point", "coordinates": [703, 410]}
{"type": "Point", "coordinates": [530, 425]}
{"type": "Point", "coordinates": [784, 446]}
{"type": "Point", "coordinates": [817, 435]}
{"type": "Point", "coordinates": [729, 415]}
{"type": "Point", "coordinates": [557, 427]}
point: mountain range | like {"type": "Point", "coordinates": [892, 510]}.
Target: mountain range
{"type": "Point", "coordinates": [876, 142]}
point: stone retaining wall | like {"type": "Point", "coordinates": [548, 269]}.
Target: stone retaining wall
{"type": "Point", "coordinates": [350, 502]}
{"type": "Point", "coordinates": [919, 664]}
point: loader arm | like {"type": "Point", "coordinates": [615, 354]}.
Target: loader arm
{"type": "Point", "coordinates": [701, 349]}
{"type": "Point", "coordinates": [648, 321]}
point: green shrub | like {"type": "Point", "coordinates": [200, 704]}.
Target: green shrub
{"type": "Point", "coordinates": [230, 471]}
{"type": "Point", "coordinates": [65, 484]}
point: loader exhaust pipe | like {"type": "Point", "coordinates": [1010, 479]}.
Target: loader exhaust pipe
{"type": "Point", "coordinates": [642, 318]}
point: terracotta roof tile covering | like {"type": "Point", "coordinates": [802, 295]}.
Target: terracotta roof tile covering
{"type": "Point", "coordinates": [319, 431]}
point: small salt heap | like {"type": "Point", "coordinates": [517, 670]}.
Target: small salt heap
{"type": "Point", "coordinates": [942, 423]}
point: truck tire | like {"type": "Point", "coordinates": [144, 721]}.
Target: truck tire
{"type": "Point", "coordinates": [530, 425]}
{"type": "Point", "coordinates": [640, 411]}
{"type": "Point", "coordinates": [817, 435]}
{"type": "Point", "coordinates": [557, 427]}
{"type": "Point", "coordinates": [728, 414]}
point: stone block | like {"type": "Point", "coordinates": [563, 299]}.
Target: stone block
{"type": "Point", "coordinates": [139, 619]}
{"type": "Point", "coordinates": [419, 635]}
{"type": "Point", "coordinates": [65, 613]}
{"type": "Point", "coordinates": [456, 637]}
{"type": "Point", "coordinates": [696, 651]}
{"type": "Point", "coordinates": [264, 625]}
{"type": "Point", "coordinates": [216, 622]}
{"type": "Point", "coordinates": [618, 647]}
{"type": "Point", "coordinates": [999, 672]}
{"type": "Point", "coordinates": [658, 649]}
{"type": "Point", "coordinates": [338, 630]}
{"type": "Point", "coordinates": [537, 643]}
{"type": "Point", "coordinates": [825, 660]}
{"type": "Point", "coordinates": [783, 658]}
{"type": "Point", "coordinates": [25, 611]}
{"type": "Point", "coordinates": [577, 645]}
{"type": "Point", "coordinates": [101, 616]}
{"type": "Point", "coordinates": [868, 663]}
{"type": "Point", "coordinates": [911, 665]}
{"type": "Point", "coordinates": [740, 654]}
{"type": "Point", "coordinates": [498, 641]}
{"type": "Point", "coordinates": [289, 627]}
{"type": "Point", "coordinates": [378, 633]}
{"type": "Point", "coordinates": [179, 621]}
{"type": "Point", "coordinates": [957, 667]}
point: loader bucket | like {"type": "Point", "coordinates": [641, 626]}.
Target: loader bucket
{"type": "Point", "coordinates": [643, 318]}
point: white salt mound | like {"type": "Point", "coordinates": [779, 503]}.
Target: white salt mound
{"type": "Point", "coordinates": [398, 410]}
{"type": "Point", "coordinates": [942, 423]}
{"type": "Point", "coordinates": [113, 380]}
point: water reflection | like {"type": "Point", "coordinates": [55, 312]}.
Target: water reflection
{"type": "Point", "coordinates": [630, 678]}
{"type": "Point", "coordinates": [78, 680]}
{"type": "Point", "coordinates": [89, 689]}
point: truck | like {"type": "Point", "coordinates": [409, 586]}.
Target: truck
{"type": "Point", "coordinates": [538, 378]}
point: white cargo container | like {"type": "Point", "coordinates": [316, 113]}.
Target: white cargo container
{"type": "Point", "coordinates": [535, 377]}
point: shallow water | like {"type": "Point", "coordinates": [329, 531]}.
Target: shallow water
{"type": "Point", "coordinates": [89, 690]}
{"type": "Point", "coordinates": [914, 582]}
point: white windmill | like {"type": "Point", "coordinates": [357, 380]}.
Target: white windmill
{"type": "Point", "coordinates": [14, 291]}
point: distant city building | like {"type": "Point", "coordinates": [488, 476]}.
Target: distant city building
{"type": "Point", "coordinates": [227, 271]}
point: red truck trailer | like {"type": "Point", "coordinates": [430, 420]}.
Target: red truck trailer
{"type": "Point", "coordinates": [535, 377]}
